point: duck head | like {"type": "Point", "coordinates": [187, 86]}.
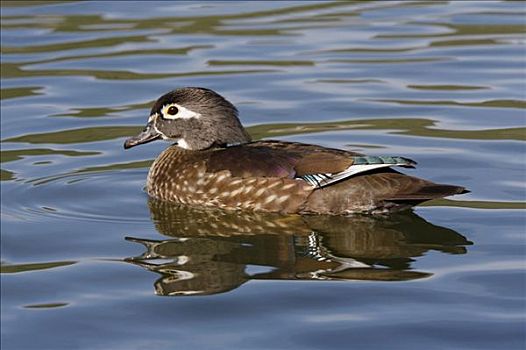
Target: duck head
{"type": "Point", "coordinates": [194, 118]}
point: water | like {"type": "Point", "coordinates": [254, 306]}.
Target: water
{"type": "Point", "coordinates": [89, 262]}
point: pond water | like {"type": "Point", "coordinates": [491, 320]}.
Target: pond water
{"type": "Point", "coordinates": [89, 262]}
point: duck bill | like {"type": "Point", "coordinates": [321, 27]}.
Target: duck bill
{"type": "Point", "coordinates": [149, 134]}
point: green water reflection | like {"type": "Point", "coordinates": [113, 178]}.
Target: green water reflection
{"type": "Point", "coordinates": [413, 127]}
{"type": "Point", "coordinates": [11, 70]}
{"type": "Point", "coordinates": [17, 268]}
{"type": "Point", "coordinates": [19, 92]}
{"type": "Point", "coordinates": [490, 103]}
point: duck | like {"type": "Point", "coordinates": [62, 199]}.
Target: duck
{"type": "Point", "coordinates": [214, 163]}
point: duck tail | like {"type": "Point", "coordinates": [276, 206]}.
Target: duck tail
{"type": "Point", "coordinates": [428, 192]}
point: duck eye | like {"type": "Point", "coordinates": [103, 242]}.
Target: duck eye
{"type": "Point", "coordinates": [172, 110]}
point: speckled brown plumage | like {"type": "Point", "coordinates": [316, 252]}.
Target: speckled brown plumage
{"type": "Point", "coordinates": [260, 176]}
{"type": "Point", "coordinates": [183, 176]}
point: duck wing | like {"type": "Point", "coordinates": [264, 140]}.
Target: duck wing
{"type": "Point", "coordinates": [317, 165]}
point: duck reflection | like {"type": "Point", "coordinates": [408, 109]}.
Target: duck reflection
{"type": "Point", "coordinates": [217, 251]}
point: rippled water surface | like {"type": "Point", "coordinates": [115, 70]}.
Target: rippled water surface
{"type": "Point", "coordinates": [89, 262]}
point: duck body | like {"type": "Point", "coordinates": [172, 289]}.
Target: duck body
{"type": "Point", "coordinates": [201, 169]}
{"type": "Point", "coordinates": [272, 176]}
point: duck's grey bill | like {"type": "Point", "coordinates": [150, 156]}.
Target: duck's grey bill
{"type": "Point", "coordinates": [149, 134]}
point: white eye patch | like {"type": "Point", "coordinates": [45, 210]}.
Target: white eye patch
{"type": "Point", "coordinates": [175, 111]}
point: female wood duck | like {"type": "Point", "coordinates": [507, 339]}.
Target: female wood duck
{"type": "Point", "coordinates": [214, 163]}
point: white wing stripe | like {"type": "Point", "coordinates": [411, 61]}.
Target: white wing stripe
{"type": "Point", "coordinates": [322, 180]}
